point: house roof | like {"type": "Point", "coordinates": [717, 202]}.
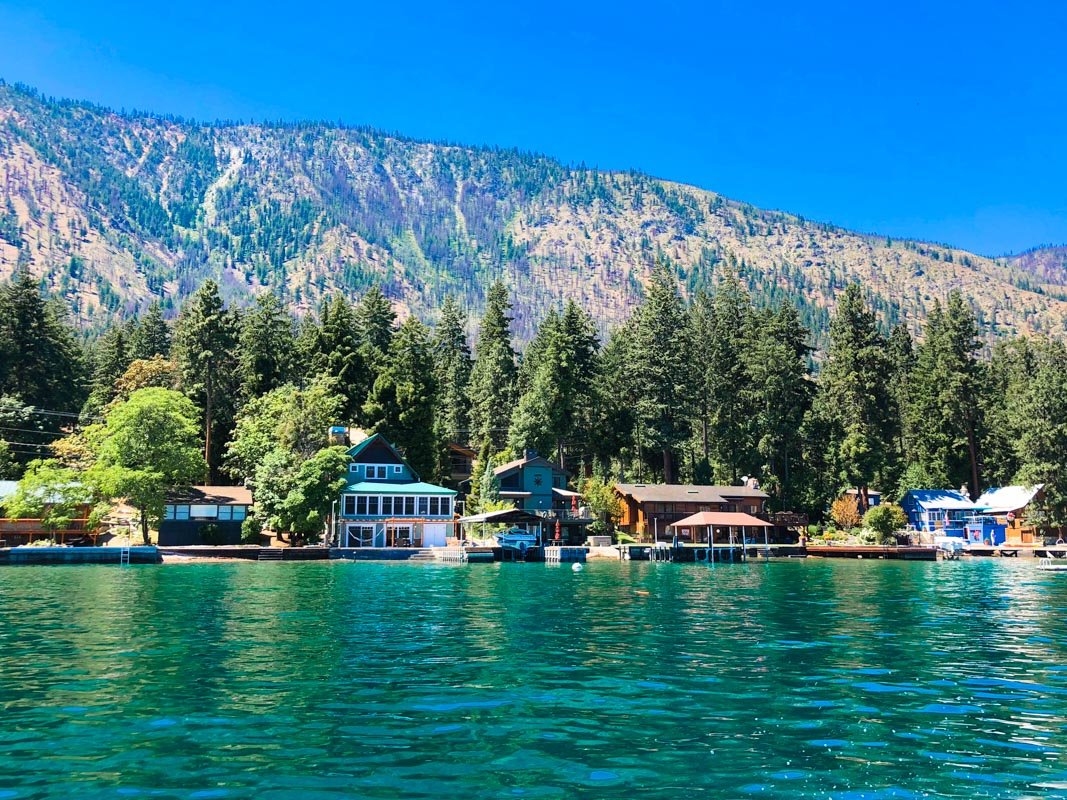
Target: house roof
{"type": "Point", "coordinates": [396, 487]}
{"type": "Point", "coordinates": [870, 492]}
{"type": "Point", "coordinates": [213, 495]}
{"type": "Point", "coordinates": [566, 493]}
{"type": "Point", "coordinates": [1007, 498]}
{"type": "Point", "coordinates": [684, 493]}
{"type": "Point", "coordinates": [522, 462]}
{"type": "Point", "coordinates": [942, 498]}
{"type": "Point", "coordinates": [724, 518]}
{"type": "Point", "coordinates": [458, 448]}
{"type": "Point", "coordinates": [359, 447]}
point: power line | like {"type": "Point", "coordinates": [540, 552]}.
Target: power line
{"type": "Point", "coordinates": [32, 430]}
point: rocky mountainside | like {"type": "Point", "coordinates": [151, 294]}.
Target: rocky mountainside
{"type": "Point", "coordinates": [112, 210]}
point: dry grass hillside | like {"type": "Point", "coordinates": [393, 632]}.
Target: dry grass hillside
{"type": "Point", "coordinates": [112, 211]}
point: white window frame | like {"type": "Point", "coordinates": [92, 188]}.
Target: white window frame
{"type": "Point", "coordinates": [348, 505]}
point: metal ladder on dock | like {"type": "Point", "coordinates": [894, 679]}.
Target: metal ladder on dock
{"type": "Point", "coordinates": [270, 554]}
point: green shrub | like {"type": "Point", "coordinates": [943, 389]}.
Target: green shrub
{"type": "Point", "coordinates": [598, 528]}
{"type": "Point", "coordinates": [885, 520]}
{"type": "Point", "coordinates": [211, 534]}
{"type": "Point", "coordinates": [251, 530]}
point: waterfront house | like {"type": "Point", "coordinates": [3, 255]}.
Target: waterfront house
{"type": "Point", "coordinates": [386, 504]}
{"type": "Point", "coordinates": [649, 509]}
{"type": "Point", "coordinates": [24, 530]}
{"type": "Point", "coordinates": [873, 498]}
{"type": "Point", "coordinates": [1008, 506]}
{"type": "Point", "coordinates": [535, 484]}
{"type": "Point", "coordinates": [205, 515]}
{"type": "Point", "coordinates": [942, 511]}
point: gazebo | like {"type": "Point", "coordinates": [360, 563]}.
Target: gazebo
{"type": "Point", "coordinates": [721, 527]}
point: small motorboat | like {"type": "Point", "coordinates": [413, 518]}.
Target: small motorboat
{"type": "Point", "coordinates": [516, 538]}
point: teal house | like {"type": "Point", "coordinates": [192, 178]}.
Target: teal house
{"type": "Point", "coordinates": [386, 503]}
{"type": "Point", "coordinates": [535, 484]}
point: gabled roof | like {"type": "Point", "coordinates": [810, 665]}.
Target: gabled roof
{"type": "Point", "coordinates": [725, 518]}
{"type": "Point", "coordinates": [540, 461]}
{"type": "Point", "coordinates": [941, 498]}
{"type": "Point", "coordinates": [684, 493]}
{"type": "Point", "coordinates": [1007, 498]}
{"type": "Point", "coordinates": [356, 449]}
{"type": "Point", "coordinates": [396, 487]}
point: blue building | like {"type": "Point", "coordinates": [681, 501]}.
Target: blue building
{"type": "Point", "coordinates": [205, 515]}
{"type": "Point", "coordinates": [535, 484]}
{"type": "Point", "coordinates": [942, 511]}
{"type": "Point", "coordinates": [386, 504]}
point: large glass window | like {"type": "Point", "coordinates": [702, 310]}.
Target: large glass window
{"type": "Point", "coordinates": [409, 506]}
{"type": "Point", "coordinates": [372, 506]}
{"type": "Point", "coordinates": [203, 511]}
{"type": "Point", "coordinates": [225, 513]}
{"type": "Point", "coordinates": [446, 506]}
{"type": "Point", "coordinates": [239, 513]}
{"type": "Point", "coordinates": [424, 506]}
{"type": "Point", "coordinates": [377, 471]}
{"type": "Point", "coordinates": [350, 505]}
{"type": "Point", "coordinates": [435, 506]}
{"type": "Point", "coordinates": [361, 505]}
{"type": "Point", "coordinates": [181, 512]}
{"type": "Point", "coordinates": [387, 505]}
{"type": "Point", "coordinates": [168, 512]}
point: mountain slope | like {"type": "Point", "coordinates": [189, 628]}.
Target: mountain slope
{"type": "Point", "coordinates": [112, 210]}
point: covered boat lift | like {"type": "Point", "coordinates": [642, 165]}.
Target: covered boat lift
{"type": "Point", "coordinates": [510, 516]}
{"type": "Point", "coordinates": [720, 527]}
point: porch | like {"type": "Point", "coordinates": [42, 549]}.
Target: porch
{"type": "Point", "coordinates": [394, 532]}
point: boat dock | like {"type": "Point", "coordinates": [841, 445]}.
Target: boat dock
{"type": "Point", "coordinates": [872, 551]}
{"type": "Point", "coordinates": [27, 556]}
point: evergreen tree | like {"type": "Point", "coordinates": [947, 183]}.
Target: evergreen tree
{"type": "Point", "coordinates": [661, 369]}
{"type": "Point", "coordinates": [781, 393]}
{"type": "Point", "coordinates": [151, 336]}
{"type": "Point", "coordinates": [943, 408]}
{"type": "Point", "coordinates": [41, 361]}
{"type": "Point", "coordinates": [205, 347]}
{"type": "Point", "coordinates": [901, 354]}
{"type": "Point", "coordinates": [452, 365]}
{"type": "Point", "coordinates": [853, 396]}
{"type": "Point", "coordinates": [492, 383]}
{"type": "Point", "coordinates": [728, 389]}
{"type": "Point", "coordinates": [338, 355]}
{"type": "Point", "coordinates": [1040, 417]}
{"type": "Point", "coordinates": [267, 351]}
{"type": "Point", "coordinates": [401, 402]}
{"type": "Point", "coordinates": [374, 323]}
{"type": "Point", "coordinates": [1006, 380]}
{"type": "Point", "coordinates": [111, 358]}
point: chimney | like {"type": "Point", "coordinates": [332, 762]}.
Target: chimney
{"type": "Point", "coordinates": [529, 453]}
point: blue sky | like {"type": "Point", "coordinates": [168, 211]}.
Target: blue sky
{"type": "Point", "coordinates": [942, 121]}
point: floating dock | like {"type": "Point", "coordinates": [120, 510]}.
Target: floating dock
{"type": "Point", "coordinates": [26, 556]}
{"type": "Point", "coordinates": [563, 555]}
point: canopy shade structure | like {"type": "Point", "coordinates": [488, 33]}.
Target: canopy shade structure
{"type": "Point", "coordinates": [509, 516]}
{"type": "Point", "coordinates": [723, 519]}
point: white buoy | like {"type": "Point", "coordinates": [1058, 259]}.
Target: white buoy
{"type": "Point", "coordinates": [577, 567]}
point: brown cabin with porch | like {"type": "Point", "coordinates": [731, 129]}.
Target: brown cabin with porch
{"type": "Point", "coordinates": [648, 509]}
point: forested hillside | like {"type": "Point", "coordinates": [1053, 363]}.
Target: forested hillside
{"type": "Point", "coordinates": [112, 211]}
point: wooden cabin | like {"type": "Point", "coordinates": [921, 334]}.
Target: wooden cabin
{"type": "Point", "coordinates": [649, 509]}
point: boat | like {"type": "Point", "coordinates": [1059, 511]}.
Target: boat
{"type": "Point", "coordinates": [516, 538]}
{"type": "Point", "coordinates": [949, 547]}
{"type": "Point", "coordinates": [1048, 565]}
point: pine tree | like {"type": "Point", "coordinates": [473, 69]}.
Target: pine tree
{"type": "Point", "coordinates": [492, 383]}
{"type": "Point", "coordinates": [452, 365]}
{"type": "Point", "coordinates": [853, 396]}
{"type": "Point", "coordinates": [41, 361]}
{"type": "Point", "coordinates": [374, 323]}
{"type": "Point", "coordinates": [111, 358]}
{"type": "Point", "coordinates": [205, 347]}
{"type": "Point", "coordinates": [338, 355]}
{"type": "Point", "coordinates": [267, 351]}
{"type": "Point", "coordinates": [1040, 418]}
{"type": "Point", "coordinates": [151, 335]}
{"type": "Point", "coordinates": [401, 402]}
{"type": "Point", "coordinates": [662, 344]}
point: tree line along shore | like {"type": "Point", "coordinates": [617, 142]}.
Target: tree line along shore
{"type": "Point", "coordinates": [704, 389]}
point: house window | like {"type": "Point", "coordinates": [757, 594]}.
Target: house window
{"type": "Point", "coordinates": [181, 512]}
{"type": "Point", "coordinates": [239, 513]}
{"type": "Point", "coordinates": [387, 505]}
{"type": "Point", "coordinates": [225, 513]}
{"type": "Point", "coordinates": [424, 506]}
{"type": "Point", "coordinates": [203, 511]}
{"type": "Point", "coordinates": [350, 505]}
{"type": "Point", "coordinates": [168, 512]}
{"type": "Point", "coordinates": [361, 505]}
{"type": "Point", "coordinates": [396, 469]}
{"type": "Point", "coordinates": [409, 506]}
{"type": "Point", "coordinates": [435, 506]}
{"type": "Point", "coordinates": [537, 480]}
{"type": "Point", "coordinates": [377, 472]}
{"type": "Point", "coordinates": [353, 467]}
{"type": "Point", "coordinates": [373, 506]}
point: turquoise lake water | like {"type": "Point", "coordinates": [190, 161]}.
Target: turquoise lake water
{"type": "Point", "coordinates": [327, 680]}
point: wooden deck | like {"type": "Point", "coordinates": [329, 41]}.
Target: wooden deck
{"type": "Point", "coordinates": [873, 551]}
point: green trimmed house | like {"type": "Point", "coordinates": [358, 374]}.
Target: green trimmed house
{"type": "Point", "coordinates": [386, 504]}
